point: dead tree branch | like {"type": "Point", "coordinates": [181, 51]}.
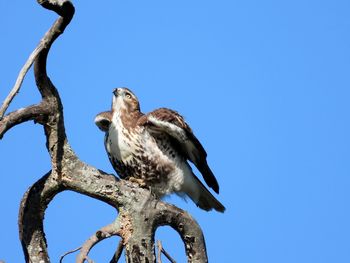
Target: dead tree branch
{"type": "Point", "coordinates": [35, 112]}
{"type": "Point", "coordinates": [103, 233]}
{"type": "Point", "coordinates": [20, 79]}
{"type": "Point", "coordinates": [69, 252]}
{"type": "Point", "coordinates": [118, 252]}
{"type": "Point", "coordinates": [140, 213]}
{"type": "Point", "coordinates": [159, 254]}
{"type": "Point", "coordinates": [166, 254]}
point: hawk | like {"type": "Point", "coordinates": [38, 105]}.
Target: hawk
{"type": "Point", "coordinates": [153, 149]}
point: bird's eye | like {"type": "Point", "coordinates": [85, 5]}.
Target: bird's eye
{"type": "Point", "coordinates": [128, 95]}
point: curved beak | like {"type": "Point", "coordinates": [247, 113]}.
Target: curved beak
{"type": "Point", "coordinates": [116, 92]}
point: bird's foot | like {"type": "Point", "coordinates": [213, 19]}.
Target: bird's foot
{"type": "Point", "coordinates": [138, 181]}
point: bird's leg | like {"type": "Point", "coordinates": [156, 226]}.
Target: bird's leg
{"type": "Point", "coordinates": [156, 199]}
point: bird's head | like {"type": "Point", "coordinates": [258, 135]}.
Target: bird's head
{"type": "Point", "coordinates": [125, 100]}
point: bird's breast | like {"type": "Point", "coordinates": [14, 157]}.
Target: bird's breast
{"type": "Point", "coordinates": [122, 143]}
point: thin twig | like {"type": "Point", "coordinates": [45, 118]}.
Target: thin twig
{"type": "Point", "coordinates": [159, 254]}
{"type": "Point", "coordinates": [20, 78]}
{"type": "Point", "coordinates": [69, 252]}
{"type": "Point", "coordinates": [166, 254]}
{"type": "Point", "coordinates": [105, 232]}
{"type": "Point", "coordinates": [118, 252]}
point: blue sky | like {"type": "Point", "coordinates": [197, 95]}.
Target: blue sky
{"type": "Point", "coordinates": [265, 85]}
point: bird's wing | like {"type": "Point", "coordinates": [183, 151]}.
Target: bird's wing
{"type": "Point", "coordinates": [170, 122]}
{"type": "Point", "coordinates": [103, 120]}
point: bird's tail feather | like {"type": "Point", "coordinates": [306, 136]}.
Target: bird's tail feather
{"type": "Point", "coordinates": [201, 196]}
{"type": "Point", "coordinates": [208, 176]}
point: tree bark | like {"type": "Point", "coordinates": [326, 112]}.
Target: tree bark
{"type": "Point", "coordinates": [140, 213]}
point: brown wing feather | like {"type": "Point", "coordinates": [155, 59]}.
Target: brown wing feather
{"type": "Point", "coordinates": [172, 123]}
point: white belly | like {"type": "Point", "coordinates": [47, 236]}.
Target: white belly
{"type": "Point", "coordinates": [118, 144]}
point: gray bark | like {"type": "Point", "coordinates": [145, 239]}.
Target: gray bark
{"type": "Point", "coordinates": [140, 213]}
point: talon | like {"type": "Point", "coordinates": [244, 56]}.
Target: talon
{"type": "Point", "coordinates": [138, 181]}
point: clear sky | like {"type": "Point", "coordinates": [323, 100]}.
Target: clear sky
{"type": "Point", "coordinates": [265, 85]}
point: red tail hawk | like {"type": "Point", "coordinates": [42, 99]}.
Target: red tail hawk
{"type": "Point", "coordinates": [154, 148]}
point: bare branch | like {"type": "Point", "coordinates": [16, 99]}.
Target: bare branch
{"type": "Point", "coordinates": [66, 10]}
{"type": "Point", "coordinates": [20, 79]}
{"type": "Point", "coordinates": [31, 217]}
{"type": "Point", "coordinates": [159, 254]}
{"type": "Point", "coordinates": [63, 8]}
{"type": "Point", "coordinates": [188, 229]}
{"type": "Point", "coordinates": [103, 233]}
{"type": "Point", "coordinates": [118, 252]}
{"type": "Point", "coordinates": [166, 254]}
{"type": "Point", "coordinates": [69, 252]}
{"type": "Point", "coordinates": [37, 113]}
